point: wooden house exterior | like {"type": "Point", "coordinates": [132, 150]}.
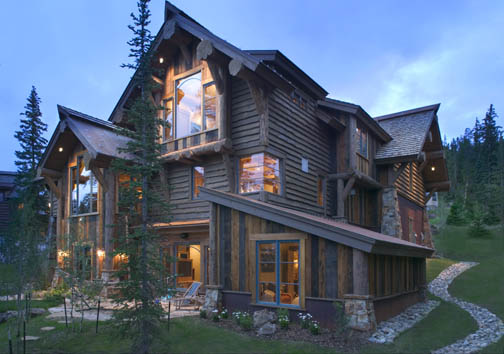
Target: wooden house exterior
{"type": "Point", "coordinates": [258, 161]}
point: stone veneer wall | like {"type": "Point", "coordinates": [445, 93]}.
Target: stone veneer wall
{"type": "Point", "coordinates": [391, 219]}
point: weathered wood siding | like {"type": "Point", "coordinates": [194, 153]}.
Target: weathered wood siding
{"type": "Point", "coordinates": [179, 181]}
{"type": "Point", "coordinates": [244, 117]}
{"type": "Point", "coordinates": [392, 275]}
{"type": "Point", "coordinates": [327, 269]}
{"type": "Point", "coordinates": [298, 133]}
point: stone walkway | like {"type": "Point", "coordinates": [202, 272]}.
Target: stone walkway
{"type": "Point", "coordinates": [388, 330]}
{"type": "Point", "coordinates": [491, 328]}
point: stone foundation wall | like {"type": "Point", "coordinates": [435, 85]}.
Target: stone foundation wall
{"type": "Point", "coordinates": [360, 312]}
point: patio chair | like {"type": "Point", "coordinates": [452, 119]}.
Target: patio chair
{"type": "Point", "coordinates": [189, 296]}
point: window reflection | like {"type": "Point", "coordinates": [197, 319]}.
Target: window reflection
{"type": "Point", "coordinates": [259, 172]}
{"type": "Point", "coordinates": [84, 189]}
{"type": "Point", "coordinates": [188, 105]}
{"type": "Point", "coordinates": [362, 142]}
{"type": "Point", "coordinates": [167, 133]}
{"type": "Point", "coordinates": [198, 180]}
{"type": "Point", "coordinates": [210, 106]}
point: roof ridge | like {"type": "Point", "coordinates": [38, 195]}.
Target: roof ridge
{"type": "Point", "coordinates": [434, 107]}
{"type": "Point", "coordinates": [86, 117]}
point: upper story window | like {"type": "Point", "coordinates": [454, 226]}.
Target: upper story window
{"type": "Point", "coordinates": [84, 189]}
{"type": "Point", "coordinates": [298, 99]}
{"type": "Point", "coordinates": [195, 108]}
{"type": "Point", "coordinates": [198, 180]}
{"type": "Point", "coordinates": [320, 191]}
{"type": "Point", "coordinates": [362, 142]}
{"type": "Point", "coordinates": [278, 273]}
{"type": "Point", "coordinates": [259, 172]}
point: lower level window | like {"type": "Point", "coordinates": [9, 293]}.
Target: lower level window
{"type": "Point", "coordinates": [278, 272]}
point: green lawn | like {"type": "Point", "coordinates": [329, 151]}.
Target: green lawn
{"type": "Point", "coordinates": [186, 335]}
{"type": "Point", "coordinates": [45, 304]}
{"type": "Point", "coordinates": [483, 284]}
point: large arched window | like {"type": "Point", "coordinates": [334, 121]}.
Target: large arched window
{"type": "Point", "coordinates": [188, 108]}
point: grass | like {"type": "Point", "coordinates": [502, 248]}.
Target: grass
{"type": "Point", "coordinates": [186, 335]}
{"type": "Point", "coordinates": [436, 266]}
{"type": "Point", "coordinates": [483, 284]}
{"type": "Point", "coordinates": [45, 304]}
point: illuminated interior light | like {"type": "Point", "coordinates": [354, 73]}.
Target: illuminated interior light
{"type": "Point", "coordinates": [161, 60]}
{"type": "Point", "coordinates": [433, 168]}
{"type": "Point", "coordinates": [60, 149]}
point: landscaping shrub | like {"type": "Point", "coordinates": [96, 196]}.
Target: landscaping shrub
{"type": "Point", "coordinates": [56, 294]}
{"type": "Point", "coordinates": [456, 216]}
{"type": "Point", "coordinates": [314, 328]}
{"type": "Point", "coordinates": [215, 316]}
{"type": "Point", "coordinates": [246, 321]}
{"type": "Point", "coordinates": [283, 318]}
{"type": "Point", "coordinates": [224, 314]}
{"type": "Point", "coordinates": [237, 315]}
{"type": "Point", "coordinates": [477, 227]}
{"type": "Point", "coordinates": [304, 320]}
{"type": "Point", "coordinates": [202, 314]}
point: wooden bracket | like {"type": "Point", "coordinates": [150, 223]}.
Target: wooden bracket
{"type": "Point", "coordinates": [431, 193]}
{"type": "Point", "coordinates": [348, 187]}
{"type": "Point", "coordinates": [53, 187]}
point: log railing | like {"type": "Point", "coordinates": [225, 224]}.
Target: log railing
{"type": "Point", "coordinates": [194, 140]}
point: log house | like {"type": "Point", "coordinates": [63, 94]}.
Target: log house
{"type": "Point", "coordinates": [280, 196]}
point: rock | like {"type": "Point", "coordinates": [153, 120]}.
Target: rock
{"type": "Point", "coordinates": [37, 311]}
{"type": "Point", "coordinates": [30, 338]}
{"type": "Point", "coordinates": [262, 317]}
{"type": "Point", "coordinates": [4, 316]}
{"type": "Point", "coordinates": [47, 329]}
{"type": "Point", "coordinates": [267, 329]}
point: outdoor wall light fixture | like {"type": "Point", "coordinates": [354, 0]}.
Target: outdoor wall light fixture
{"type": "Point", "coordinates": [161, 60]}
{"type": "Point", "coordinates": [433, 168]}
{"type": "Point", "coordinates": [100, 253]}
{"type": "Point", "coordinates": [60, 149]}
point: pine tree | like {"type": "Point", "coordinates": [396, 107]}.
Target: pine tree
{"type": "Point", "coordinates": [30, 206]}
{"type": "Point", "coordinates": [140, 205]}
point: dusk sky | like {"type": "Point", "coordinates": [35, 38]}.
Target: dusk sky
{"type": "Point", "coordinates": [386, 56]}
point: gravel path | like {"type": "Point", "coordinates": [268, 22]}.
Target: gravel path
{"type": "Point", "coordinates": [491, 328]}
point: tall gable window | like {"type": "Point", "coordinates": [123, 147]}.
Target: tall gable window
{"type": "Point", "coordinates": [362, 142]}
{"type": "Point", "coordinates": [84, 189]}
{"type": "Point", "coordinates": [188, 109]}
{"type": "Point", "coordinates": [193, 110]}
{"type": "Point", "coordinates": [198, 180]}
{"type": "Point", "coordinates": [259, 172]}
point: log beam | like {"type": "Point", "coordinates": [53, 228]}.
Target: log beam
{"type": "Point", "coordinates": [43, 172]}
{"type": "Point", "coordinates": [430, 194]}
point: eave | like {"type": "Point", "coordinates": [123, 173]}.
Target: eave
{"type": "Point", "coordinates": [348, 235]}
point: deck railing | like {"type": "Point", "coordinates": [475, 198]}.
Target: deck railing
{"type": "Point", "coordinates": [189, 141]}
{"type": "Point", "coordinates": [362, 164]}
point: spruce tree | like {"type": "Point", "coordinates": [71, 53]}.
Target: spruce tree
{"type": "Point", "coordinates": [140, 205]}
{"type": "Point", "coordinates": [29, 208]}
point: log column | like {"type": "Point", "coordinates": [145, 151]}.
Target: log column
{"type": "Point", "coordinates": [109, 211]}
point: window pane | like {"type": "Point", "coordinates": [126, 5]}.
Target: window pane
{"type": "Point", "coordinates": [74, 202]}
{"type": "Point", "coordinates": [85, 197]}
{"type": "Point", "coordinates": [267, 252]}
{"type": "Point", "coordinates": [168, 120]}
{"type": "Point", "coordinates": [267, 292]}
{"type": "Point", "coordinates": [198, 180]}
{"type": "Point", "coordinates": [188, 113]}
{"type": "Point", "coordinates": [259, 172]}
{"type": "Point", "coordinates": [210, 106]}
{"type": "Point", "coordinates": [94, 194]}
{"type": "Point", "coordinates": [289, 294]}
{"type": "Point", "coordinates": [320, 191]}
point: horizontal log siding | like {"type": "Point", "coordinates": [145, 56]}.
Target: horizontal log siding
{"type": "Point", "coordinates": [417, 191]}
{"type": "Point", "coordinates": [298, 133]}
{"type": "Point", "coordinates": [244, 117]}
{"type": "Point", "coordinates": [182, 206]}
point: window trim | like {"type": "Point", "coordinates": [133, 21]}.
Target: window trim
{"type": "Point", "coordinates": [165, 100]}
{"type": "Point", "coordinates": [203, 116]}
{"type": "Point", "coordinates": [322, 179]}
{"type": "Point", "coordinates": [277, 271]}
{"type": "Point", "coordinates": [359, 141]}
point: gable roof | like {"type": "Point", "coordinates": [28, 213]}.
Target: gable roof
{"type": "Point", "coordinates": [176, 19]}
{"type": "Point", "coordinates": [358, 111]}
{"type": "Point", "coordinates": [349, 235]}
{"type": "Point", "coordinates": [409, 130]}
{"type": "Point", "coordinates": [100, 138]}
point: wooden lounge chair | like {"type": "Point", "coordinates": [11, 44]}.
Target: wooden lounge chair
{"type": "Point", "coordinates": [189, 296]}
